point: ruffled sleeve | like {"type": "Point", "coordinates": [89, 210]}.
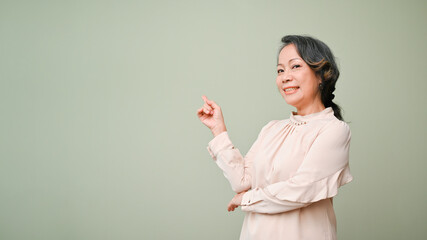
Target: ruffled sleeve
{"type": "Point", "coordinates": [325, 168]}
{"type": "Point", "coordinates": [236, 168]}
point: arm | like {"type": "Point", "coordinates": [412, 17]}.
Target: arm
{"type": "Point", "coordinates": [324, 169]}
{"type": "Point", "coordinates": [236, 168]}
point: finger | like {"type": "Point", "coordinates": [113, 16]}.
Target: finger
{"type": "Point", "coordinates": [204, 98]}
{"type": "Point", "coordinates": [203, 111]}
{"type": "Point", "coordinates": [232, 205]}
{"type": "Point", "coordinates": [212, 103]}
{"type": "Point", "coordinates": [208, 107]}
{"type": "Point", "coordinates": [200, 111]}
{"type": "Point", "coordinates": [206, 111]}
{"type": "Point", "coordinates": [208, 103]}
{"type": "Point", "coordinates": [230, 208]}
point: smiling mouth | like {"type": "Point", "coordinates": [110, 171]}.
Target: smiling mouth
{"type": "Point", "coordinates": [291, 89]}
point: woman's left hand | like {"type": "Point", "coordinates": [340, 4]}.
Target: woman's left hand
{"type": "Point", "coordinates": [236, 201]}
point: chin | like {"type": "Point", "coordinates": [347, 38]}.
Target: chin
{"type": "Point", "coordinates": [292, 102]}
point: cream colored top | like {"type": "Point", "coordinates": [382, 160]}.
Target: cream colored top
{"type": "Point", "coordinates": [292, 171]}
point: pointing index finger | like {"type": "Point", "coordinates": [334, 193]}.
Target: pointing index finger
{"type": "Point", "coordinates": [209, 102]}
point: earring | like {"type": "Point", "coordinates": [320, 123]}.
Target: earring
{"type": "Point", "coordinates": [321, 86]}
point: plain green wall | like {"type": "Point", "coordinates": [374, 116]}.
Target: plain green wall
{"type": "Point", "coordinates": [99, 137]}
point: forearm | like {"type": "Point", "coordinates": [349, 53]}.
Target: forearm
{"type": "Point", "coordinates": [230, 161]}
{"type": "Point", "coordinates": [232, 165]}
{"type": "Point", "coordinates": [292, 194]}
{"type": "Point", "coordinates": [267, 204]}
{"type": "Point", "coordinates": [236, 168]}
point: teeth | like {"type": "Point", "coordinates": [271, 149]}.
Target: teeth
{"type": "Point", "coordinates": [290, 89]}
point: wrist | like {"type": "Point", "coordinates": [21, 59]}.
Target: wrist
{"type": "Point", "coordinates": [218, 131]}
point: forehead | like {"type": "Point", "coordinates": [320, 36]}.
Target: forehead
{"type": "Point", "coordinates": [287, 53]}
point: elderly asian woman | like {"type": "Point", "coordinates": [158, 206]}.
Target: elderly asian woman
{"type": "Point", "coordinates": [286, 181]}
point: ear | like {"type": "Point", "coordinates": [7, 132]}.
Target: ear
{"type": "Point", "coordinates": [319, 80]}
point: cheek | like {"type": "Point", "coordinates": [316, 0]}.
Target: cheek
{"type": "Point", "coordinates": [278, 82]}
{"type": "Point", "coordinates": [310, 89]}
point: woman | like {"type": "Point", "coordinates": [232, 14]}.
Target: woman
{"type": "Point", "coordinates": [289, 176]}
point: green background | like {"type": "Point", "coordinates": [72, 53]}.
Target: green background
{"type": "Point", "coordinates": [99, 137]}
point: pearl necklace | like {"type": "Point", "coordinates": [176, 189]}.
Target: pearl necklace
{"type": "Point", "coordinates": [297, 123]}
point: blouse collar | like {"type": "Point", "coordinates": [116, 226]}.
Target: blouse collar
{"type": "Point", "coordinates": [300, 120]}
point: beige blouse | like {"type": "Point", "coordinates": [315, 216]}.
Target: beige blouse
{"type": "Point", "coordinates": [291, 172]}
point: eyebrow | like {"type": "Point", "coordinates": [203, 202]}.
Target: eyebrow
{"type": "Point", "coordinates": [289, 61]}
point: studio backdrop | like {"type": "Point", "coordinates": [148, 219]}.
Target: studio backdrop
{"type": "Point", "coordinates": [99, 135]}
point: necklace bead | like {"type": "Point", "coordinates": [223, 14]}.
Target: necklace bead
{"type": "Point", "coordinates": [298, 123]}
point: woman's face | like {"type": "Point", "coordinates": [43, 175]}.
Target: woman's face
{"type": "Point", "coordinates": [298, 78]}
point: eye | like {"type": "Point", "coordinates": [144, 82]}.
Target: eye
{"type": "Point", "coordinates": [279, 70]}
{"type": "Point", "coordinates": [297, 65]}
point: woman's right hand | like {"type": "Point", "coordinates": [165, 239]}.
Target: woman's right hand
{"type": "Point", "coordinates": [211, 115]}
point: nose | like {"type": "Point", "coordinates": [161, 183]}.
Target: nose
{"type": "Point", "coordinates": [286, 78]}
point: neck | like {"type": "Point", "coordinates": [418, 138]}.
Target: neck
{"type": "Point", "coordinates": [312, 108]}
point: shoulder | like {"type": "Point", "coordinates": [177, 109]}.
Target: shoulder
{"type": "Point", "coordinates": [336, 129]}
{"type": "Point", "coordinates": [269, 126]}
